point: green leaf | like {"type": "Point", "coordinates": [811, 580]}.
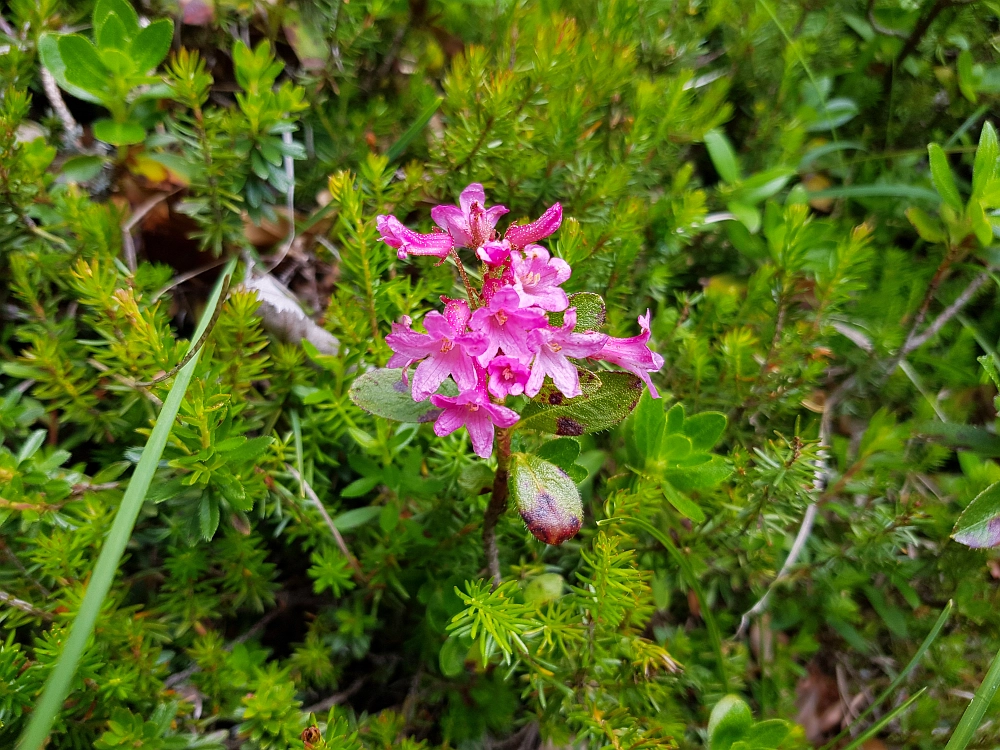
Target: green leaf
{"type": "Point", "coordinates": [979, 525]}
{"type": "Point", "coordinates": [591, 312]}
{"type": "Point", "coordinates": [112, 34]}
{"type": "Point", "coordinates": [928, 227]}
{"type": "Point", "coordinates": [966, 76]}
{"type": "Point", "coordinates": [544, 588]}
{"type": "Point", "coordinates": [351, 519]}
{"type": "Point", "coordinates": [683, 504]}
{"type": "Point", "coordinates": [729, 722]}
{"type": "Point", "coordinates": [746, 215]}
{"type": "Point", "coordinates": [208, 517]}
{"type": "Point", "coordinates": [987, 157]}
{"type": "Point", "coordinates": [833, 114]}
{"type": "Point", "coordinates": [382, 392]}
{"type": "Point", "coordinates": [722, 155]}
{"type": "Point", "coordinates": [600, 410]}
{"type": "Point", "coordinates": [974, 714]}
{"type": "Point", "coordinates": [763, 185]}
{"type": "Point", "coordinates": [120, 8]}
{"type": "Point", "coordinates": [563, 452]}
{"type": "Point", "coordinates": [48, 50]}
{"type": "Point", "coordinates": [399, 147]}
{"type": "Point", "coordinates": [705, 429]}
{"type": "Point", "coordinates": [942, 177]}
{"type": "Point", "coordinates": [700, 477]}
{"type": "Point", "coordinates": [361, 486]}
{"type": "Point", "coordinates": [82, 168]}
{"type": "Point", "coordinates": [83, 67]}
{"type": "Point", "coordinates": [451, 658]}
{"type": "Point", "coordinates": [31, 445]}
{"type": "Point", "coordinates": [549, 395]}
{"type": "Point", "coordinates": [766, 735]}
{"type": "Point", "coordinates": [882, 190]}
{"type": "Point", "coordinates": [60, 679]}
{"type": "Point", "coordinates": [118, 133]}
{"type": "Point", "coordinates": [248, 450]}
{"type": "Point", "coordinates": [546, 497]}
{"type": "Point", "coordinates": [151, 45]}
{"type": "Point", "coordinates": [648, 425]}
{"type": "Point", "coordinates": [969, 437]}
{"type": "Point", "coordinates": [675, 418]}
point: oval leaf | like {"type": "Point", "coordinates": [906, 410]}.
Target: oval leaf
{"type": "Point", "coordinates": [546, 498]}
{"type": "Point", "coordinates": [601, 410]}
{"type": "Point", "coordinates": [979, 525]}
{"type": "Point", "coordinates": [383, 393]}
{"type": "Point", "coordinates": [942, 177]}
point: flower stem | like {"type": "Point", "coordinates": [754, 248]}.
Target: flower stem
{"type": "Point", "coordinates": [473, 297]}
{"type": "Point", "coordinates": [497, 506]}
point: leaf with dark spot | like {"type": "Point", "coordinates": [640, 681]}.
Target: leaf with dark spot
{"type": "Point", "coordinates": [599, 410]}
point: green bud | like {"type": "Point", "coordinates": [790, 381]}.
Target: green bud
{"type": "Point", "coordinates": [546, 498]}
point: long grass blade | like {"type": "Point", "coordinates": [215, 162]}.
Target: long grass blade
{"type": "Point", "coordinates": [878, 725]}
{"type": "Point", "coordinates": [397, 148]}
{"type": "Point", "coordinates": [931, 637]}
{"type": "Point", "coordinates": [973, 715]}
{"type": "Point", "coordinates": [684, 564]}
{"type": "Point", "coordinates": [57, 685]}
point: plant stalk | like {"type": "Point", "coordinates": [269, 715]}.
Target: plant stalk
{"type": "Point", "coordinates": [497, 506]}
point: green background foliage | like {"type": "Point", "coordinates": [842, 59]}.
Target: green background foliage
{"type": "Point", "coordinates": [804, 195]}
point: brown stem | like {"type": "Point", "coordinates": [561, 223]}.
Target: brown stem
{"type": "Point", "coordinates": [497, 506]}
{"type": "Point", "coordinates": [473, 297]}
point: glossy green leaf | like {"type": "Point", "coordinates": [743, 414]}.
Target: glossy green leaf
{"type": "Point", "coordinates": [151, 45]}
{"type": "Point", "coordinates": [351, 519]}
{"type": "Point", "coordinates": [987, 164]}
{"type": "Point", "coordinates": [83, 66]}
{"type": "Point", "coordinates": [648, 425]}
{"type": "Point", "coordinates": [451, 658]}
{"type": "Point", "coordinates": [928, 227]}
{"type": "Point", "coordinates": [112, 34]}
{"type": "Point", "coordinates": [705, 429]}
{"type": "Point", "coordinates": [729, 722]}
{"type": "Point", "coordinates": [562, 452]}
{"type": "Point", "coordinates": [682, 503]}
{"type": "Point", "coordinates": [942, 177]}
{"type": "Point", "coordinates": [383, 393]}
{"type": "Point", "coordinates": [966, 76]}
{"type": "Point", "coordinates": [722, 155]}
{"type": "Point", "coordinates": [122, 9]}
{"type": "Point", "coordinates": [118, 133]}
{"type": "Point", "coordinates": [702, 476]}
{"type": "Point", "coordinates": [979, 525]}
{"type": "Point", "coordinates": [600, 410]}
{"type": "Point", "coordinates": [767, 735]}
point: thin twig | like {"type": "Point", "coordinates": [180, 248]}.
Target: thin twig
{"type": "Point", "coordinates": [71, 129]}
{"type": "Point", "coordinates": [6, 28]}
{"type": "Point", "coordinates": [497, 506]}
{"type": "Point", "coordinates": [24, 606]}
{"type": "Point", "coordinates": [947, 314]}
{"type": "Point", "coordinates": [337, 698]}
{"type": "Point", "coordinates": [358, 572]}
{"type": "Point", "coordinates": [180, 279]}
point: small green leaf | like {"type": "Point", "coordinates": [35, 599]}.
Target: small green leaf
{"type": "Point", "coordinates": [675, 448]}
{"type": "Point", "coordinates": [208, 517]}
{"type": "Point", "coordinates": [683, 504]}
{"type": "Point", "coordinates": [942, 177]}
{"type": "Point", "coordinates": [248, 450]}
{"type": "Point", "coordinates": [591, 312]}
{"type": "Point", "coordinates": [563, 452]}
{"type": "Point", "coordinates": [746, 215]}
{"type": "Point", "coordinates": [451, 658]}
{"type": "Point", "coordinates": [705, 429]}
{"type": "Point", "coordinates": [987, 159]}
{"type": "Point", "coordinates": [601, 410]}
{"type": "Point", "coordinates": [118, 133]}
{"type": "Point", "coordinates": [546, 497]}
{"type": "Point", "coordinates": [763, 185]}
{"type": "Point", "coordinates": [969, 437]}
{"type": "Point", "coordinates": [112, 34]}
{"type": "Point", "coordinates": [767, 735]}
{"type": "Point", "coordinates": [82, 66]}
{"type": "Point", "coordinates": [122, 9]}
{"type": "Point", "coordinates": [81, 168]}
{"type": "Point", "coordinates": [357, 517]}
{"type": "Point", "coordinates": [979, 525]}
{"type": "Point", "coordinates": [701, 476]}
{"type": "Point", "coordinates": [31, 445]}
{"type": "Point", "coordinates": [675, 419]}
{"type": "Point", "coordinates": [722, 155]}
{"type": "Point", "coordinates": [361, 486]}
{"type": "Point", "coordinates": [151, 45]}
{"type": "Point", "coordinates": [926, 225]}
{"type": "Point", "coordinates": [382, 392]}
{"type": "Point", "coordinates": [544, 588]}
{"type": "Point", "coordinates": [966, 76]}
{"type": "Point", "coordinates": [729, 722]}
{"type": "Point", "coordinates": [648, 424]}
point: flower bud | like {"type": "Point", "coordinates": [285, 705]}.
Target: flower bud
{"type": "Point", "coordinates": [546, 498]}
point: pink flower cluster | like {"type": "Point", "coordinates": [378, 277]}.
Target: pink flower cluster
{"type": "Point", "coordinates": [499, 343]}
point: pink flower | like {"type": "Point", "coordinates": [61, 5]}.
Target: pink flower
{"type": "Point", "coordinates": [473, 409]}
{"type": "Point", "coordinates": [470, 223]}
{"type": "Point", "coordinates": [448, 350]}
{"type": "Point", "coordinates": [507, 377]}
{"type": "Point", "coordinates": [407, 242]}
{"type": "Point", "coordinates": [537, 278]}
{"type": "Point", "coordinates": [506, 325]}
{"type": "Point", "coordinates": [521, 236]}
{"type": "Point", "coordinates": [494, 252]}
{"type": "Point", "coordinates": [634, 355]}
{"type": "Point", "coordinates": [552, 347]}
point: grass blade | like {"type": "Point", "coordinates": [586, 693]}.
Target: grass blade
{"type": "Point", "coordinates": [684, 564]}
{"type": "Point", "coordinates": [58, 683]}
{"type": "Point", "coordinates": [973, 715]}
{"type": "Point", "coordinates": [878, 725]}
{"type": "Point", "coordinates": [931, 637]}
{"type": "Point", "coordinates": [885, 190]}
{"type": "Point", "coordinates": [397, 148]}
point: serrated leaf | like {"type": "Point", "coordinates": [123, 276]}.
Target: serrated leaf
{"type": "Point", "coordinates": [546, 497]}
{"type": "Point", "coordinates": [549, 395]}
{"type": "Point", "coordinates": [720, 151]}
{"type": "Point", "coordinates": [151, 45]}
{"type": "Point", "coordinates": [591, 312]}
{"type": "Point", "coordinates": [942, 177]}
{"type": "Point", "coordinates": [987, 156]}
{"type": "Point", "coordinates": [382, 392]}
{"type": "Point", "coordinates": [683, 504]}
{"type": "Point", "coordinates": [702, 476]}
{"type": "Point", "coordinates": [979, 525]}
{"type": "Point", "coordinates": [705, 429]}
{"type": "Point", "coordinates": [122, 9]}
{"type": "Point", "coordinates": [600, 410]}
{"type": "Point", "coordinates": [118, 133]}
{"type": "Point", "coordinates": [82, 66]}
